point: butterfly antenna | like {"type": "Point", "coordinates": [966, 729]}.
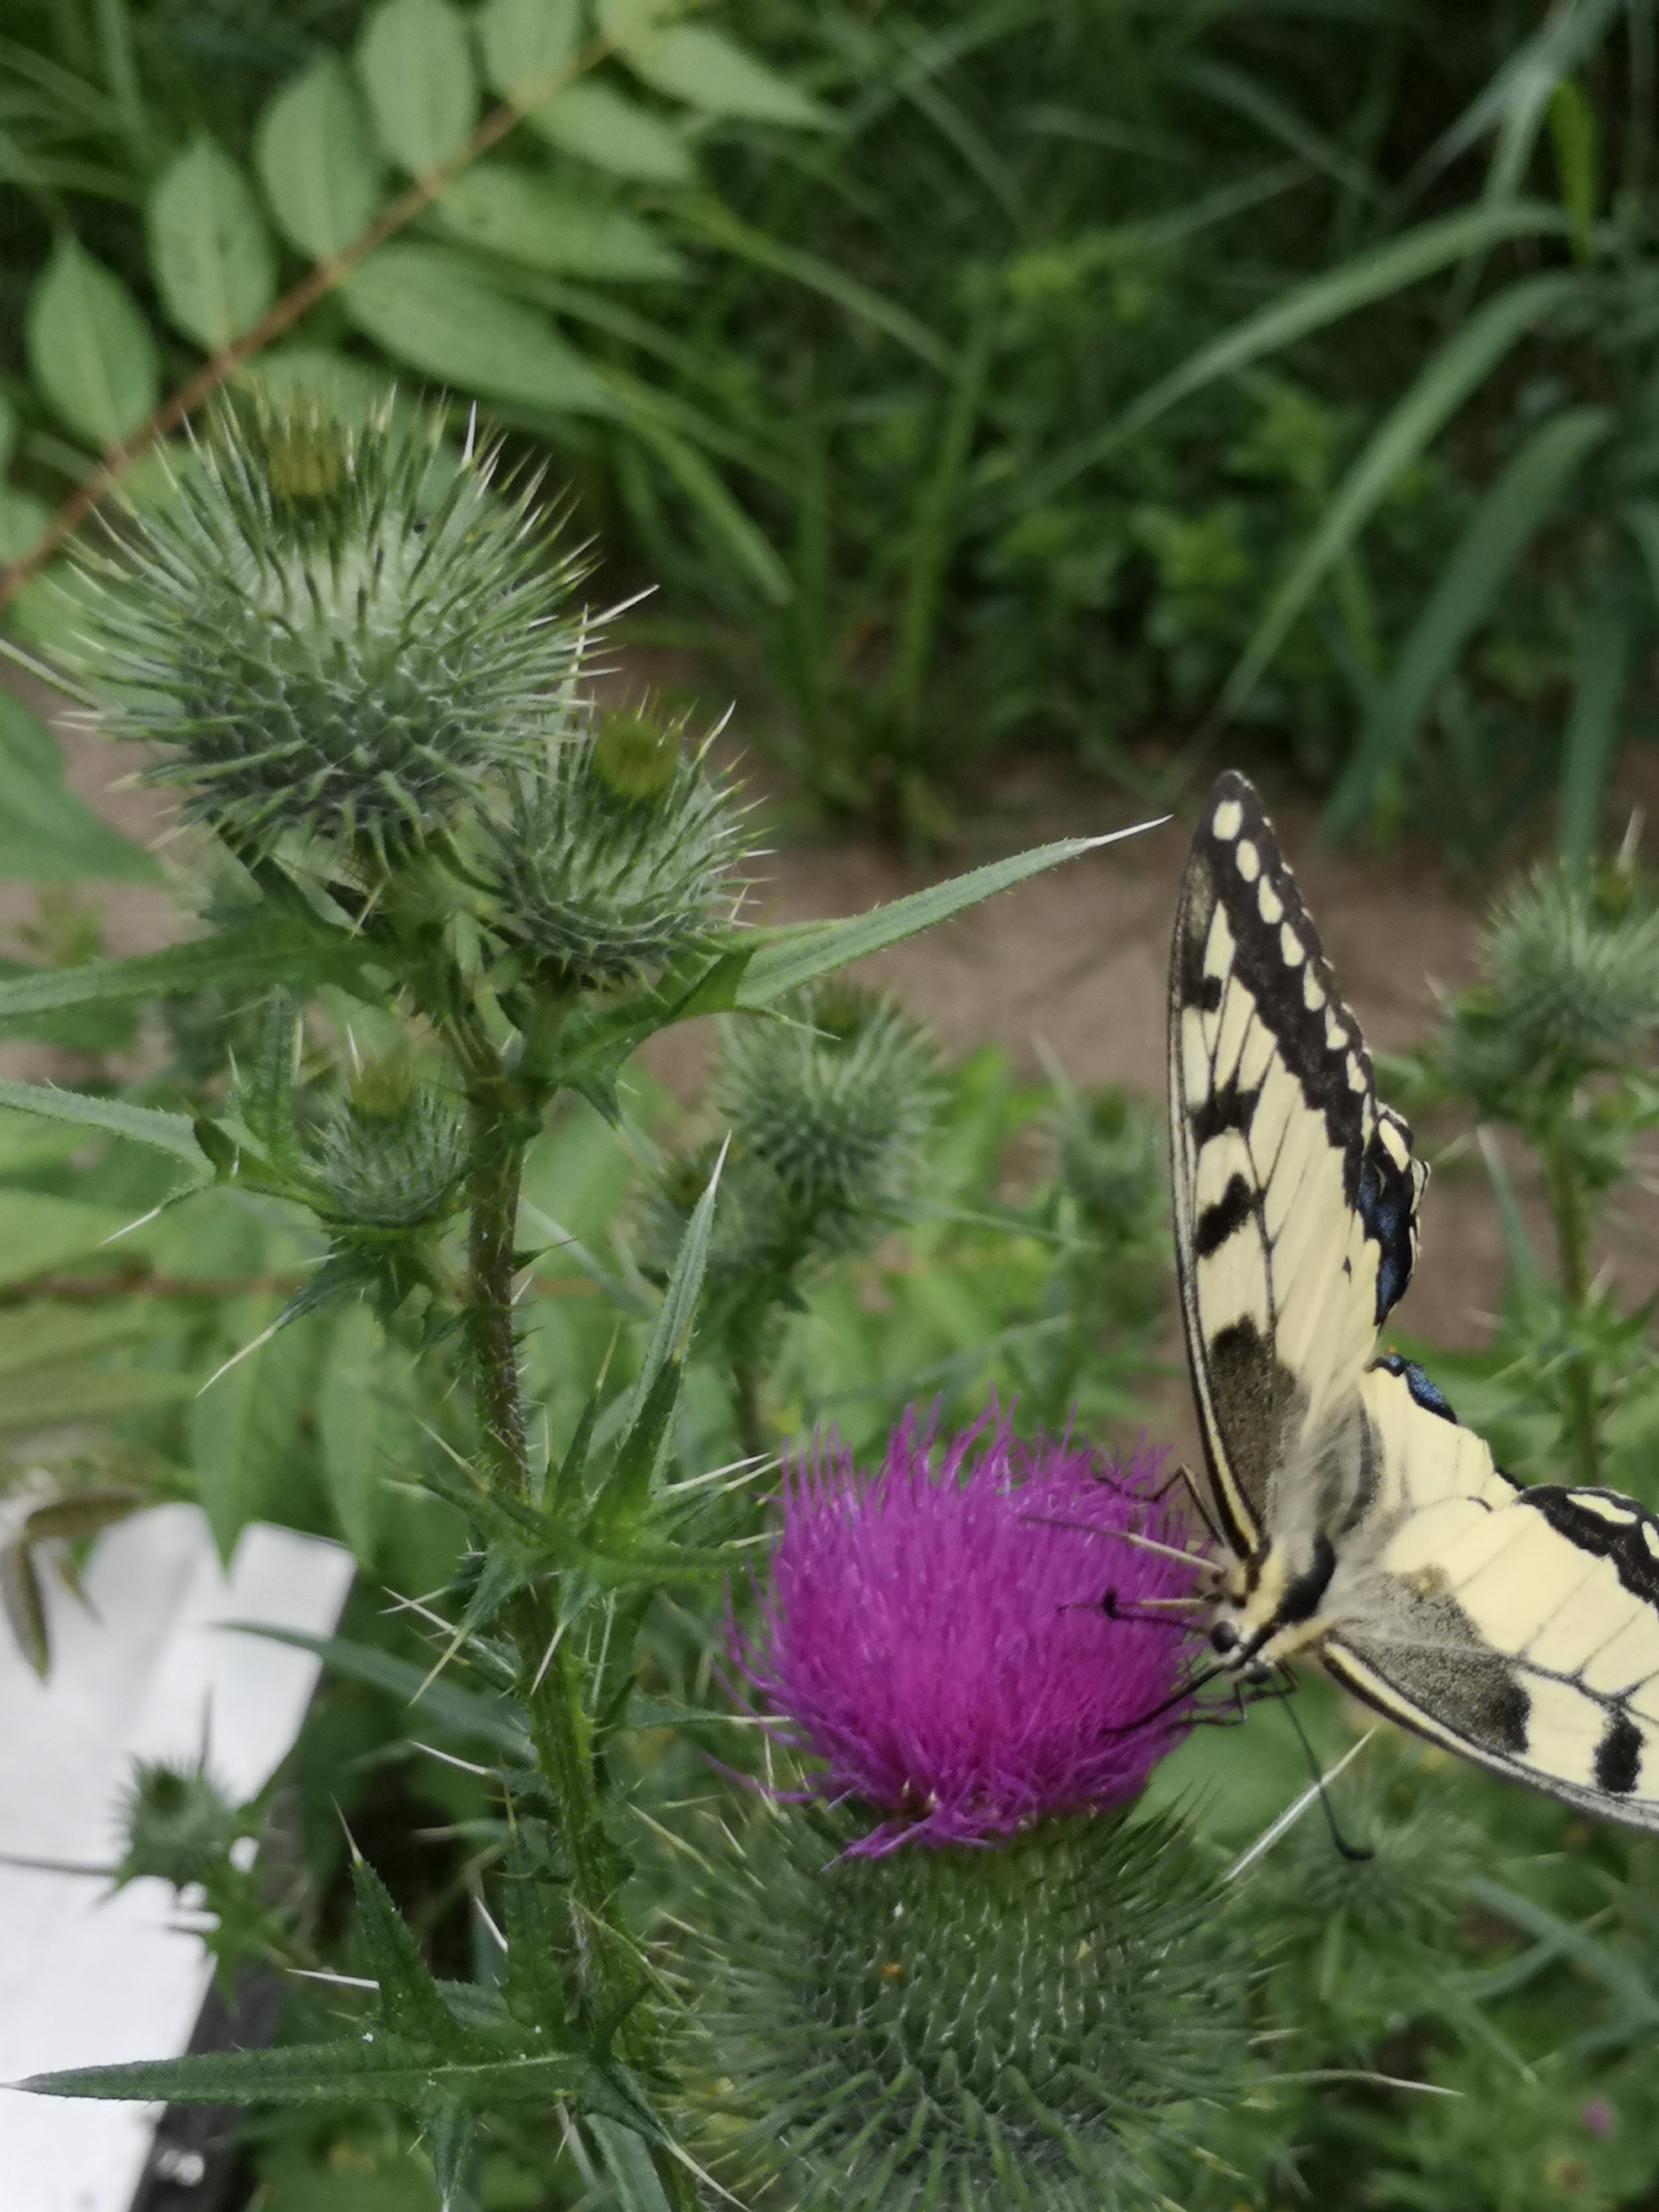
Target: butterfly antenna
{"type": "Point", "coordinates": [1355, 1854]}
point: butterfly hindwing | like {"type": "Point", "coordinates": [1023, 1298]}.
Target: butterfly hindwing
{"type": "Point", "coordinates": [1296, 1192]}
{"type": "Point", "coordinates": [1518, 1625]}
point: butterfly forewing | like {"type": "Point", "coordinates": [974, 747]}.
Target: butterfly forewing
{"type": "Point", "coordinates": [1295, 1193]}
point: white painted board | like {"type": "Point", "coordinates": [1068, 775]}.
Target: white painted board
{"type": "Point", "coordinates": [140, 1671]}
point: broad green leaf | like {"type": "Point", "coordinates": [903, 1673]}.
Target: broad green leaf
{"type": "Point", "coordinates": [44, 1333]}
{"type": "Point", "coordinates": [23, 519]}
{"type": "Point", "coordinates": [60, 1394]}
{"type": "Point", "coordinates": [416, 61]}
{"type": "Point", "coordinates": [243, 1427]}
{"type": "Point", "coordinates": [346, 387]}
{"type": "Point", "coordinates": [705, 69]}
{"type": "Point", "coordinates": [270, 950]}
{"type": "Point", "coordinates": [144, 1125]}
{"type": "Point", "coordinates": [1609, 628]}
{"type": "Point", "coordinates": [1442, 385]}
{"type": "Point", "coordinates": [798, 955]}
{"type": "Point", "coordinates": [1497, 533]}
{"type": "Point", "coordinates": [529, 48]}
{"type": "Point", "coordinates": [209, 252]}
{"type": "Point", "coordinates": [47, 834]}
{"type": "Point", "coordinates": [613, 133]}
{"type": "Point", "coordinates": [40, 1234]}
{"type": "Point", "coordinates": [430, 306]}
{"type": "Point", "coordinates": [1314, 305]}
{"type": "Point", "coordinates": [351, 1429]}
{"type": "Point", "coordinates": [437, 1707]}
{"type": "Point", "coordinates": [532, 219]}
{"type": "Point", "coordinates": [90, 350]}
{"type": "Point", "coordinates": [316, 160]}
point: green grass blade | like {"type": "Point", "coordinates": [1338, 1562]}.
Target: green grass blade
{"type": "Point", "coordinates": [1443, 384]}
{"type": "Point", "coordinates": [1498, 532]}
{"type": "Point", "coordinates": [798, 955]}
{"type": "Point", "coordinates": [726, 521]}
{"type": "Point", "coordinates": [1358, 282]}
{"type": "Point", "coordinates": [717, 225]}
{"type": "Point", "coordinates": [1608, 627]}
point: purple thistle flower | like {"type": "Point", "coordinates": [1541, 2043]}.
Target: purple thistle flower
{"type": "Point", "coordinates": [940, 1639]}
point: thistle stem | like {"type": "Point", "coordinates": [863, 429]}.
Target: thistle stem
{"type": "Point", "coordinates": [559, 1727]}
{"type": "Point", "coordinates": [1570, 1217]}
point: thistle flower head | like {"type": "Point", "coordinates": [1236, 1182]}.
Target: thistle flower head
{"type": "Point", "coordinates": [619, 854]}
{"type": "Point", "coordinates": [178, 1823]}
{"type": "Point", "coordinates": [394, 1152]}
{"type": "Point", "coordinates": [969, 1648]}
{"type": "Point", "coordinates": [324, 643]}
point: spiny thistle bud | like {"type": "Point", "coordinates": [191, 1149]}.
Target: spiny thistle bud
{"type": "Point", "coordinates": [981, 1999]}
{"type": "Point", "coordinates": [179, 1823]}
{"type": "Point", "coordinates": [394, 1153]}
{"type": "Point", "coordinates": [1110, 1154]}
{"type": "Point", "coordinates": [1575, 976]}
{"type": "Point", "coordinates": [619, 854]}
{"type": "Point", "coordinates": [325, 647]}
{"type": "Point", "coordinates": [835, 1101]}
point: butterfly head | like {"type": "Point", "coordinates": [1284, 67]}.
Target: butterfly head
{"type": "Point", "coordinates": [1267, 1609]}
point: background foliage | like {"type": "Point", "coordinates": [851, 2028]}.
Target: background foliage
{"type": "Point", "coordinates": [1079, 374]}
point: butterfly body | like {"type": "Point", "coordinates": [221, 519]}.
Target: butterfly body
{"type": "Point", "coordinates": [1357, 1519]}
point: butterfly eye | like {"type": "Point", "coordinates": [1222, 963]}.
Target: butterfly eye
{"type": "Point", "coordinates": [1224, 1637]}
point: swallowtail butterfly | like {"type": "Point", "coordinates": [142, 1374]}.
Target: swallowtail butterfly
{"type": "Point", "coordinates": [1361, 1522]}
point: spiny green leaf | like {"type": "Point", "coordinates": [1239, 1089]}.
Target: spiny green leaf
{"type": "Point", "coordinates": [271, 949]}
{"type": "Point", "coordinates": [410, 2005]}
{"type": "Point", "coordinates": [437, 1706]}
{"type": "Point", "coordinates": [787, 958]}
{"type": "Point", "coordinates": [144, 1125]}
{"type": "Point", "coordinates": [375, 2068]}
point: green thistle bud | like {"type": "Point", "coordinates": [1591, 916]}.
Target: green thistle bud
{"type": "Point", "coordinates": [178, 1824]}
{"type": "Point", "coordinates": [619, 856]}
{"type": "Point", "coordinates": [1575, 976]}
{"type": "Point", "coordinates": [394, 1155]}
{"type": "Point", "coordinates": [963, 2027]}
{"type": "Point", "coordinates": [1109, 1152]}
{"type": "Point", "coordinates": [834, 1104]}
{"type": "Point", "coordinates": [636, 756]}
{"type": "Point", "coordinates": [324, 647]}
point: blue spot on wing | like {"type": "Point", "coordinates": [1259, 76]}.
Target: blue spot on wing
{"type": "Point", "coordinates": [1386, 1201]}
{"type": "Point", "coordinates": [1426, 1395]}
